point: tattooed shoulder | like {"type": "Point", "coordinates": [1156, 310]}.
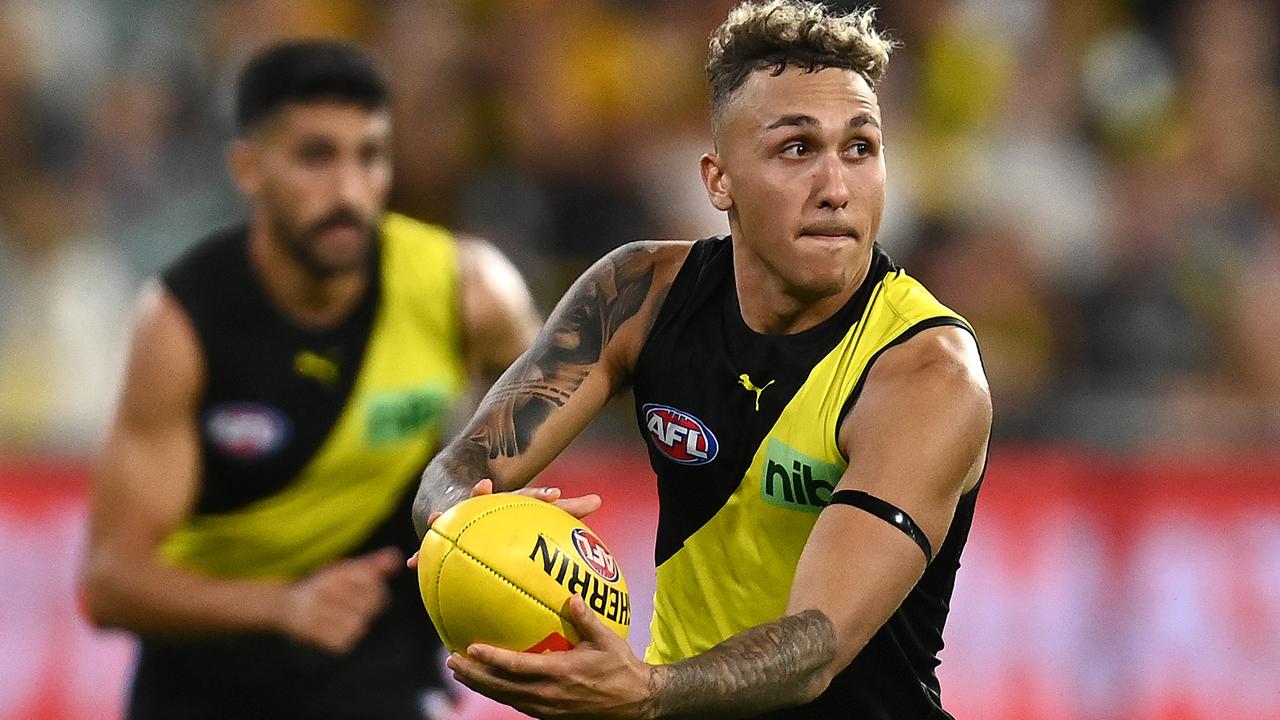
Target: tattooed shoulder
{"type": "Point", "coordinates": [658, 260]}
{"type": "Point", "coordinates": [573, 342]}
{"type": "Point", "coordinates": [630, 281]}
{"type": "Point", "coordinates": [619, 293]}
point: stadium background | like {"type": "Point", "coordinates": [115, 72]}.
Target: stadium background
{"type": "Point", "coordinates": [1094, 183]}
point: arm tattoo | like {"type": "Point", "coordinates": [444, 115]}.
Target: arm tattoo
{"type": "Point", "coordinates": [765, 667]}
{"type": "Point", "coordinates": [563, 355]}
{"type": "Point", "coordinates": [544, 378]}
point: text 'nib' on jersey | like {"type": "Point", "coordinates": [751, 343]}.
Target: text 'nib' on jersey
{"type": "Point", "coordinates": [794, 480]}
{"type": "Point", "coordinates": [681, 437]}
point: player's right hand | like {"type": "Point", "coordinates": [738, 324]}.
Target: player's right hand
{"type": "Point", "coordinates": [578, 507]}
{"type": "Point", "coordinates": [332, 608]}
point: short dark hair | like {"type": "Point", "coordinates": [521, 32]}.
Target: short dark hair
{"type": "Point", "coordinates": [777, 34]}
{"type": "Point", "coordinates": [307, 71]}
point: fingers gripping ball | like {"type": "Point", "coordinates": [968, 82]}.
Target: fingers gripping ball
{"type": "Point", "coordinates": [498, 569]}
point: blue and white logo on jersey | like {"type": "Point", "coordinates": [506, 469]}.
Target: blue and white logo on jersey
{"type": "Point", "coordinates": [246, 431]}
{"type": "Point", "coordinates": [681, 437]}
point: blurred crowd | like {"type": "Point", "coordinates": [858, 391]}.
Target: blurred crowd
{"type": "Point", "coordinates": [1094, 183]}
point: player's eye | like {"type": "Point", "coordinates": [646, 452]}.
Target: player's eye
{"type": "Point", "coordinates": [795, 149]}
{"type": "Point", "coordinates": [371, 154]}
{"type": "Point", "coordinates": [860, 149]}
{"type": "Point", "coordinates": [315, 153]}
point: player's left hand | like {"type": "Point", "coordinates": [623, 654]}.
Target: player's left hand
{"type": "Point", "coordinates": [578, 507]}
{"type": "Point", "coordinates": [599, 678]}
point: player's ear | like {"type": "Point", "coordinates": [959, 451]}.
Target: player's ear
{"type": "Point", "coordinates": [717, 182]}
{"type": "Point", "coordinates": [244, 166]}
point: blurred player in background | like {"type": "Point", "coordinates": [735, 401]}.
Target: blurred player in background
{"type": "Point", "coordinates": [818, 422]}
{"type": "Point", "coordinates": [287, 383]}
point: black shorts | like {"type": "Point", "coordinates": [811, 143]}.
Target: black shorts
{"type": "Point", "coordinates": [260, 676]}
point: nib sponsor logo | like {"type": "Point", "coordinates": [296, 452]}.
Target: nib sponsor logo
{"type": "Point", "coordinates": [794, 480]}
{"type": "Point", "coordinates": [679, 436]}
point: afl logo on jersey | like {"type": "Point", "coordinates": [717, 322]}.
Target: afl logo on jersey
{"type": "Point", "coordinates": [596, 555]}
{"type": "Point", "coordinates": [246, 431]}
{"type": "Point", "coordinates": [680, 436]}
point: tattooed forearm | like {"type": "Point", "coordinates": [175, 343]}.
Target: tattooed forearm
{"type": "Point", "coordinates": [447, 481]}
{"type": "Point", "coordinates": [543, 379]}
{"type": "Point", "coordinates": [765, 667]}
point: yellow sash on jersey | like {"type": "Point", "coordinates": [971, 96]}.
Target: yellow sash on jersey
{"type": "Point", "coordinates": [735, 571]}
{"type": "Point", "coordinates": [412, 371]}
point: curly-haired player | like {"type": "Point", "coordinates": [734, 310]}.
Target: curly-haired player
{"type": "Point", "coordinates": [817, 421]}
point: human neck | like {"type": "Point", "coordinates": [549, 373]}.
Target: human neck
{"type": "Point", "coordinates": [769, 307]}
{"type": "Point", "coordinates": [309, 299]}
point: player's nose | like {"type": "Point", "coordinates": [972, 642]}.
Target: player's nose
{"type": "Point", "coordinates": [353, 185]}
{"type": "Point", "coordinates": [831, 189]}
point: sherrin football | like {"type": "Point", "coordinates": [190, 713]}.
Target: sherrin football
{"type": "Point", "coordinates": [498, 569]}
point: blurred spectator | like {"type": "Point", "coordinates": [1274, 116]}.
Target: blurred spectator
{"type": "Point", "coordinates": [63, 291]}
{"type": "Point", "coordinates": [986, 269]}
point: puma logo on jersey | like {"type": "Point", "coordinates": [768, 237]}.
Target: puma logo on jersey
{"type": "Point", "coordinates": [323, 370]}
{"type": "Point", "coordinates": [681, 437]}
{"type": "Point", "coordinates": [745, 381]}
{"type": "Point", "coordinates": [794, 480]}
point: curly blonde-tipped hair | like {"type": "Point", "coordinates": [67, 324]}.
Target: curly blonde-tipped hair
{"type": "Point", "coordinates": [760, 34]}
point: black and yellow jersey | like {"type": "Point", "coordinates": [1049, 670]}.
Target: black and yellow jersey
{"type": "Point", "coordinates": [742, 434]}
{"type": "Point", "coordinates": [312, 442]}
{"type": "Point", "coordinates": [309, 438]}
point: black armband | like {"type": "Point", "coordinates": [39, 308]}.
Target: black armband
{"type": "Point", "coordinates": [888, 513]}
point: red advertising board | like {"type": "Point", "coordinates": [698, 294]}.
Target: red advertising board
{"type": "Point", "coordinates": [1092, 588]}
{"type": "Point", "coordinates": [53, 665]}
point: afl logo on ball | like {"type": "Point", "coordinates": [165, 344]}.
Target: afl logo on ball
{"type": "Point", "coordinates": [594, 552]}
{"type": "Point", "coordinates": [246, 431]}
{"type": "Point", "coordinates": [680, 436]}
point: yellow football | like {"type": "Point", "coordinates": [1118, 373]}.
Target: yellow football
{"type": "Point", "coordinates": [497, 569]}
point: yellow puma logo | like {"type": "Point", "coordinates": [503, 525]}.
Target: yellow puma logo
{"type": "Point", "coordinates": [745, 381]}
{"type": "Point", "coordinates": [315, 366]}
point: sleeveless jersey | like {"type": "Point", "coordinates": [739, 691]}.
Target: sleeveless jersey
{"type": "Point", "coordinates": [311, 439]}
{"type": "Point", "coordinates": [742, 434]}
{"type": "Point", "coordinates": [311, 446]}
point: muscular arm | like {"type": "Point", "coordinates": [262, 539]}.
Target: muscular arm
{"type": "Point", "coordinates": [582, 356]}
{"type": "Point", "coordinates": [915, 438]}
{"type": "Point", "coordinates": [747, 673]}
{"type": "Point", "coordinates": [145, 485]}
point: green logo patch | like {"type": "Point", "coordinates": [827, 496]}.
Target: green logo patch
{"type": "Point", "coordinates": [794, 480]}
{"type": "Point", "coordinates": [396, 414]}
